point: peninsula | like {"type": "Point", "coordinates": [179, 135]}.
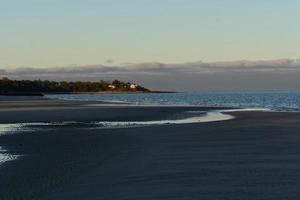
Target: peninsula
{"type": "Point", "coordinates": [39, 87]}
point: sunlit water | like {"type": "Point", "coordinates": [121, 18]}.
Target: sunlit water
{"type": "Point", "coordinates": [279, 101]}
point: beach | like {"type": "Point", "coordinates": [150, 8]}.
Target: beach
{"type": "Point", "coordinates": [253, 156]}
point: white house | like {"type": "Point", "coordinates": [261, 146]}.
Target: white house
{"type": "Point", "coordinates": [112, 86]}
{"type": "Point", "coordinates": [133, 86]}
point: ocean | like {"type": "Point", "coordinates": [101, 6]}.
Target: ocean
{"type": "Point", "coordinates": [276, 101]}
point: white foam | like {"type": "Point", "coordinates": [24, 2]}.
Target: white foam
{"type": "Point", "coordinates": [8, 129]}
{"type": "Point", "coordinates": [245, 110]}
{"type": "Point", "coordinates": [5, 157]}
{"type": "Point", "coordinates": [17, 127]}
{"type": "Point", "coordinates": [212, 116]}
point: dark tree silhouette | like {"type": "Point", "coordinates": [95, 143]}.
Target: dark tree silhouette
{"type": "Point", "coordinates": [28, 86]}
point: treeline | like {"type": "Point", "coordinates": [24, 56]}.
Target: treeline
{"type": "Point", "coordinates": [39, 86]}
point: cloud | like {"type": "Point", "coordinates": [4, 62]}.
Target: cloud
{"type": "Point", "coordinates": [157, 68]}
{"type": "Point", "coordinates": [280, 74]}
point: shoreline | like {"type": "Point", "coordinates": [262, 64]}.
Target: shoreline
{"type": "Point", "coordinates": [40, 94]}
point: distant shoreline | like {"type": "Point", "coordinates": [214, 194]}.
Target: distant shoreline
{"type": "Point", "coordinates": [39, 87]}
{"type": "Point", "coordinates": [115, 92]}
{"type": "Point", "coordinates": [65, 93]}
{"type": "Point", "coordinates": [22, 94]}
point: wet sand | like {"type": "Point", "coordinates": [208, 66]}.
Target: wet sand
{"type": "Point", "coordinates": [255, 156]}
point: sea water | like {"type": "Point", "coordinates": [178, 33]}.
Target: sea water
{"type": "Point", "coordinates": [277, 101]}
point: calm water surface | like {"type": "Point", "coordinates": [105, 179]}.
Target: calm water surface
{"type": "Point", "coordinates": [280, 101]}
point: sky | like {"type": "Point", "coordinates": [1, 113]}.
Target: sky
{"type": "Point", "coordinates": [50, 33]}
{"type": "Point", "coordinates": [85, 34]}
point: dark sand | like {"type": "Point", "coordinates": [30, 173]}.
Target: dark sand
{"type": "Point", "coordinates": [255, 156]}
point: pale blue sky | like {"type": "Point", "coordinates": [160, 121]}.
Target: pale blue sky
{"type": "Point", "coordinates": [46, 33]}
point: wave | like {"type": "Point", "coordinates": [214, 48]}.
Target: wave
{"type": "Point", "coordinates": [213, 116]}
{"type": "Point", "coordinates": [202, 117]}
{"type": "Point", "coordinates": [189, 117]}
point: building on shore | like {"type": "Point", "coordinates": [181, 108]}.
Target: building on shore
{"type": "Point", "coordinates": [133, 86]}
{"type": "Point", "coordinates": [111, 86]}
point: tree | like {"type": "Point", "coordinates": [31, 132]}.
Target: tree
{"type": "Point", "coordinates": [47, 86]}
